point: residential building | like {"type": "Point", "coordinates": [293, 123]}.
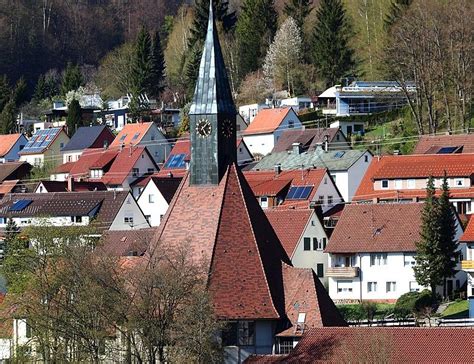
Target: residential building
{"type": "Point", "coordinates": [303, 237]}
{"type": "Point", "coordinates": [372, 253]}
{"type": "Point", "coordinates": [349, 127]}
{"type": "Point", "coordinates": [403, 178]}
{"type": "Point", "coordinates": [264, 131]}
{"type": "Point", "coordinates": [70, 185]}
{"type": "Point", "coordinates": [378, 345]}
{"type": "Point", "coordinates": [310, 139]}
{"type": "Point", "coordinates": [143, 135]}
{"type": "Point", "coordinates": [10, 146]}
{"type": "Point", "coordinates": [44, 147]}
{"type": "Point", "coordinates": [347, 167]}
{"type": "Point", "coordinates": [103, 210]}
{"type": "Point", "coordinates": [327, 101]}
{"type": "Point", "coordinates": [248, 112]}
{"type": "Point", "coordinates": [298, 103]}
{"type": "Point", "coordinates": [305, 189]}
{"type": "Point", "coordinates": [445, 144]}
{"type": "Point", "coordinates": [467, 264]}
{"type": "Point", "coordinates": [156, 196]}
{"type": "Point", "coordinates": [85, 137]}
{"type": "Point", "coordinates": [14, 171]}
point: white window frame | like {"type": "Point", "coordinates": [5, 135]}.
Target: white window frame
{"type": "Point", "coordinates": [458, 182]}
{"type": "Point", "coordinates": [151, 198]}
{"type": "Point", "coordinates": [390, 286]}
{"type": "Point", "coordinates": [398, 184]}
{"type": "Point", "coordinates": [381, 184]}
{"type": "Point", "coordinates": [371, 286]}
{"type": "Point", "coordinates": [411, 184]}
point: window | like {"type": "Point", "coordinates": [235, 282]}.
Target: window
{"type": "Point", "coordinates": [398, 184]}
{"type": "Point", "coordinates": [135, 172]}
{"type": "Point", "coordinates": [285, 345]}
{"type": "Point", "coordinates": [307, 243]}
{"type": "Point", "coordinates": [385, 183]}
{"type": "Point", "coordinates": [315, 244]}
{"type": "Point", "coordinates": [61, 145]}
{"type": "Point", "coordinates": [463, 207]}
{"type": "Point", "coordinates": [391, 286]}
{"type": "Point", "coordinates": [408, 260]}
{"type": "Point", "coordinates": [371, 286]}
{"type": "Point", "coordinates": [366, 158]}
{"type": "Point", "coordinates": [37, 161]}
{"type": "Point", "coordinates": [325, 180]}
{"type": "Point", "coordinates": [378, 259]}
{"type": "Point", "coordinates": [324, 242]}
{"type": "Point", "coordinates": [458, 182]}
{"type": "Point", "coordinates": [239, 333]}
{"type": "Point", "coordinates": [28, 330]}
{"type": "Point", "coordinates": [320, 200]}
{"type": "Point", "coordinates": [128, 220]}
{"type": "Point", "coordinates": [69, 158]}
{"type": "Point", "coordinates": [320, 270]}
{"type": "Point", "coordinates": [264, 202]}
{"type": "Point", "coordinates": [76, 219]}
{"type": "Point", "coordinates": [414, 287]}
{"type": "Point", "coordinates": [151, 198]}
{"type": "Point", "coordinates": [291, 124]}
{"type": "Point", "coordinates": [150, 170]}
{"type": "Point", "coordinates": [344, 286]}
{"type": "Point", "coordinates": [329, 200]}
{"type": "Point", "coordinates": [411, 183]}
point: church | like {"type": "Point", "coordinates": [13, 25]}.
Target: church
{"type": "Point", "coordinates": [268, 303]}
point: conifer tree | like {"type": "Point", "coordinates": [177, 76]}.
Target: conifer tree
{"type": "Point", "coordinates": [74, 117]}
{"type": "Point", "coordinates": [8, 118]}
{"type": "Point", "coordinates": [141, 66]}
{"type": "Point", "coordinates": [255, 30]}
{"type": "Point", "coordinates": [157, 74]}
{"type": "Point", "coordinates": [331, 50]}
{"type": "Point", "coordinates": [40, 89]}
{"type": "Point", "coordinates": [298, 10]}
{"type": "Point", "coordinates": [72, 79]}
{"type": "Point", "coordinates": [5, 91]}
{"type": "Point", "coordinates": [11, 235]}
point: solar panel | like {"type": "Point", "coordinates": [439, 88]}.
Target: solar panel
{"type": "Point", "coordinates": [306, 192]}
{"type": "Point", "coordinates": [339, 154]}
{"type": "Point", "coordinates": [20, 205]}
{"type": "Point", "coordinates": [447, 150]}
{"type": "Point", "coordinates": [176, 161]}
{"type": "Point", "coordinates": [299, 192]}
{"type": "Point", "coordinates": [291, 193]}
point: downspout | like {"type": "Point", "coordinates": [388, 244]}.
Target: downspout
{"type": "Point", "coordinates": [360, 276]}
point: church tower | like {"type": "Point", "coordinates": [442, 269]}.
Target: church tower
{"type": "Point", "coordinates": [212, 115]}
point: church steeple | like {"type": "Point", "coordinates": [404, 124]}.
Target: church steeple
{"type": "Point", "coordinates": [212, 115]}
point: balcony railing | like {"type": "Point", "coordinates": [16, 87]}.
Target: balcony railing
{"type": "Point", "coordinates": [467, 264]}
{"type": "Point", "coordinates": [342, 272]}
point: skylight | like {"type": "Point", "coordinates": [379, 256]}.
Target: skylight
{"type": "Point", "coordinates": [339, 154]}
{"type": "Point", "coordinates": [447, 150]}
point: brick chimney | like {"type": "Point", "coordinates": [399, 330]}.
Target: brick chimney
{"type": "Point", "coordinates": [70, 184]}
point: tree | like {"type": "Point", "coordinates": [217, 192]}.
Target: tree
{"type": "Point", "coordinates": [298, 10]}
{"type": "Point", "coordinates": [11, 235]}
{"type": "Point", "coordinates": [141, 65]}
{"type": "Point", "coordinates": [254, 37]}
{"type": "Point", "coordinates": [41, 91]}
{"type": "Point", "coordinates": [331, 49]}
{"type": "Point", "coordinates": [74, 117]}
{"type": "Point", "coordinates": [5, 91]}
{"type": "Point", "coordinates": [157, 76]}
{"type": "Point", "coordinates": [72, 79]}
{"type": "Point", "coordinates": [283, 57]}
{"type": "Point", "coordinates": [8, 118]}
{"type": "Point", "coordinates": [396, 11]}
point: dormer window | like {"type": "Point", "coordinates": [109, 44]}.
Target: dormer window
{"type": "Point", "coordinates": [384, 183]}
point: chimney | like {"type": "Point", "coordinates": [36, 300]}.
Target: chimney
{"type": "Point", "coordinates": [70, 184]}
{"type": "Point", "coordinates": [326, 142]}
{"type": "Point", "coordinates": [296, 148]}
{"type": "Point", "coordinates": [375, 200]}
{"type": "Point", "coordinates": [170, 174]}
{"type": "Point", "coordinates": [277, 169]}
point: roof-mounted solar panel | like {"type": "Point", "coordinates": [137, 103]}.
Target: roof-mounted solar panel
{"type": "Point", "coordinates": [447, 150]}
{"type": "Point", "coordinates": [299, 192]}
{"type": "Point", "coordinates": [20, 205]}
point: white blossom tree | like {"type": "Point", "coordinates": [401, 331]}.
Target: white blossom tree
{"type": "Point", "coordinates": [284, 56]}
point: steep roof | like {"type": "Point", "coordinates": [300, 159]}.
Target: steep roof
{"type": "Point", "coordinates": [212, 93]}
{"type": "Point", "coordinates": [464, 143]}
{"type": "Point", "coordinates": [246, 278]}
{"type": "Point", "coordinates": [131, 134]}
{"type": "Point", "coordinates": [289, 225]}
{"type": "Point", "coordinates": [267, 120]}
{"type": "Point", "coordinates": [380, 344]}
{"type": "Point", "coordinates": [308, 138]}
{"type": "Point", "coordinates": [41, 141]}
{"type": "Point", "coordinates": [167, 186]}
{"type": "Point", "coordinates": [469, 232]}
{"type": "Point", "coordinates": [334, 160]}
{"type": "Point", "coordinates": [78, 186]}
{"type": "Point", "coordinates": [86, 137]}
{"type": "Point", "coordinates": [93, 158]}
{"type": "Point", "coordinates": [380, 228]}
{"type": "Point", "coordinates": [124, 242]}
{"type": "Point", "coordinates": [14, 170]}
{"type": "Point", "coordinates": [7, 142]}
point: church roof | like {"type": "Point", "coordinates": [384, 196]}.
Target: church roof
{"type": "Point", "coordinates": [212, 93]}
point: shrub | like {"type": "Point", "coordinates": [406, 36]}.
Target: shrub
{"type": "Point", "coordinates": [413, 303]}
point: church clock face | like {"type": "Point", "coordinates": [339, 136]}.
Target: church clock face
{"type": "Point", "coordinates": [227, 128]}
{"type": "Point", "coordinates": [203, 128]}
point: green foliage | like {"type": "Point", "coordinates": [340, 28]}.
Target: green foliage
{"type": "Point", "coordinates": [157, 72]}
{"type": "Point", "coordinates": [8, 118]}
{"type": "Point", "coordinates": [44, 171]}
{"type": "Point", "coordinates": [184, 124]}
{"type": "Point", "coordinates": [74, 117]}
{"type": "Point", "coordinates": [298, 10]}
{"type": "Point", "coordinates": [254, 37]}
{"type": "Point", "coordinates": [395, 11]}
{"type": "Point", "coordinates": [332, 53]}
{"type": "Point", "coordinates": [413, 304]}
{"type": "Point", "coordinates": [5, 91]}
{"type": "Point", "coordinates": [365, 311]}
{"type": "Point", "coordinates": [457, 309]}
{"type": "Point", "coordinates": [11, 235]}
{"type": "Point", "coordinates": [72, 79]}
{"type": "Point", "coordinates": [141, 66]}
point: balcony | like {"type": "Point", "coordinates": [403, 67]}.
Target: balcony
{"type": "Point", "coordinates": [342, 272]}
{"type": "Point", "coordinates": [467, 265]}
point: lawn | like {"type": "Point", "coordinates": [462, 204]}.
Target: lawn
{"type": "Point", "coordinates": [457, 309]}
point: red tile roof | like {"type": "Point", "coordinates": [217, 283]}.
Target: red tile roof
{"type": "Point", "coordinates": [428, 143]}
{"type": "Point", "coordinates": [267, 121]}
{"type": "Point", "coordinates": [64, 168]}
{"type": "Point", "coordinates": [377, 228]}
{"type": "Point", "coordinates": [8, 186]}
{"type": "Point", "coordinates": [7, 142]}
{"type": "Point", "coordinates": [78, 186]}
{"type": "Point", "coordinates": [246, 277]}
{"type": "Point", "coordinates": [124, 242]}
{"type": "Point", "coordinates": [469, 232]}
{"type": "Point", "coordinates": [289, 225]}
{"type": "Point", "coordinates": [90, 159]}
{"type": "Point", "coordinates": [381, 344]}
{"type": "Point", "coordinates": [128, 133]}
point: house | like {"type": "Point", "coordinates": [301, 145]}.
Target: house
{"type": "Point", "coordinates": [156, 197]}
{"type": "Point", "coordinates": [297, 103]}
{"type": "Point", "coordinates": [85, 137]}
{"type": "Point", "coordinates": [103, 210]}
{"type": "Point", "coordinates": [303, 237]}
{"type": "Point", "coordinates": [116, 114]}
{"type": "Point", "coordinates": [347, 167]}
{"type": "Point", "coordinates": [14, 171]}
{"type": "Point", "coordinates": [143, 135]}
{"type": "Point", "coordinates": [403, 178]}
{"type": "Point", "coordinates": [248, 112]}
{"type": "Point", "coordinates": [445, 144]}
{"type": "Point", "coordinates": [467, 264]}
{"type": "Point", "coordinates": [294, 189]}
{"type": "Point", "coordinates": [264, 131]}
{"type": "Point", "coordinates": [310, 139]}
{"type": "Point", "coordinates": [378, 345]}
{"type": "Point", "coordinates": [372, 253]}
{"type": "Point", "coordinates": [327, 101]}
{"type": "Point", "coordinates": [10, 146]}
{"type": "Point", "coordinates": [93, 164]}
{"type": "Point", "coordinates": [44, 147]}
{"type": "Point", "coordinates": [349, 127]}
{"type": "Point", "coordinates": [70, 185]}
{"type": "Point", "coordinates": [12, 186]}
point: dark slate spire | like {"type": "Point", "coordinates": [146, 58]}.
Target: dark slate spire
{"type": "Point", "coordinates": [212, 94]}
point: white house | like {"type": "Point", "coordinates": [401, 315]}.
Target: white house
{"type": "Point", "coordinates": [265, 130]}
{"type": "Point", "coordinates": [156, 197]}
{"type": "Point", "coordinates": [10, 146]}
{"type": "Point", "coordinates": [297, 103]}
{"type": "Point", "coordinates": [349, 127]}
{"type": "Point", "coordinates": [303, 237]}
{"type": "Point", "coordinates": [94, 137]}
{"type": "Point", "coordinates": [346, 167]}
{"type": "Point", "coordinates": [372, 253]}
{"type": "Point", "coordinates": [248, 112]}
